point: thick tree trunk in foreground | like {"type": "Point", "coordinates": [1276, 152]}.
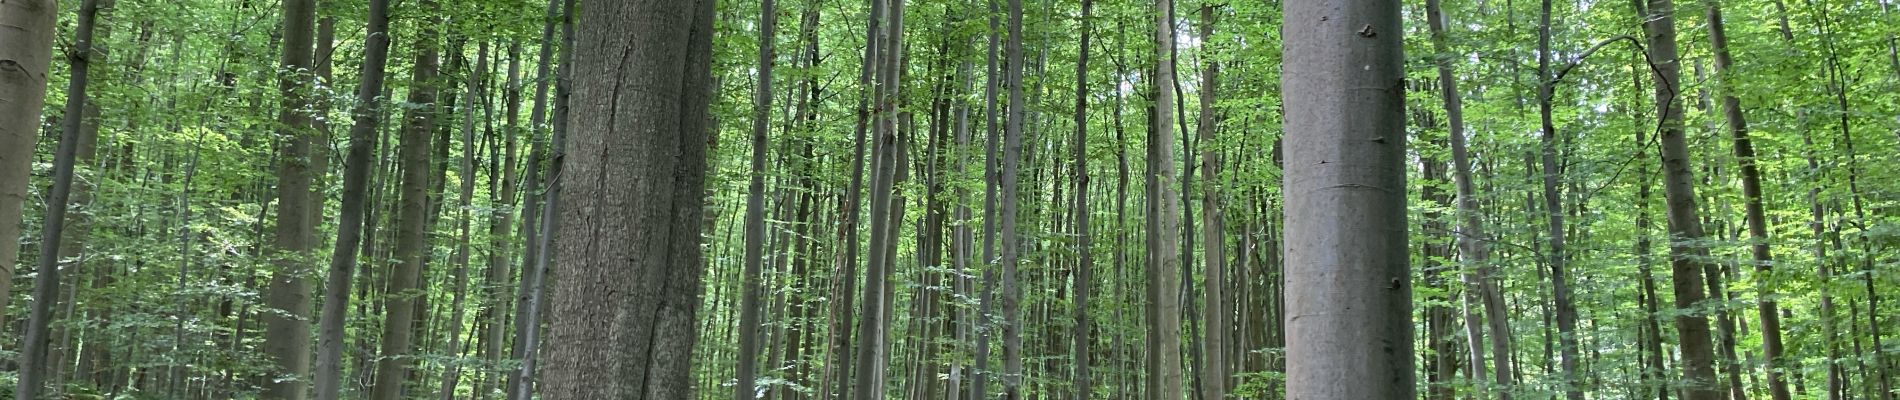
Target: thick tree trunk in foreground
{"type": "Point", "coordinates": [356, 166]}
{"type": "Point", "coordinates": [26, 55]}
{"type": "Point", "coordinates": [630, 280]}
{"type": "Point", "coordinates": [34, 368]}
{"type": "Point", "coordinates": [1348, 295]}
{"type": "Point", "coordinates": [1687, 256]}
{"type": "Point", "coordinates": [413, 215]}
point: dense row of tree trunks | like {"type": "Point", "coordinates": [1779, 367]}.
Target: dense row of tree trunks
{"type": "Point", "coordinates": [1007, 192]}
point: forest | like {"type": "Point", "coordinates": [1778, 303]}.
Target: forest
{"type": "Point", "coordinates": [892, 199]}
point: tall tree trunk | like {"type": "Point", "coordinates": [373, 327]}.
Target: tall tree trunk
{"type": "Point", "coordinates": [873, 329]}
{"type": "Point", "coordinates": [1687, 256]}
{"type": "Point", "coordinates": [34, 368]}
{"type": "Point", "coordinates": [1473, 251]}
{"type": "Point", "coordinates": [979, 375]}
{"type": "Point", "coordinates": [1770, 315]}
{"type": "Point", "coordinates": [1566, 310]}
{"type": "Point", "coordinates": [287, 332]}
{"type": "Point", "coordinates": [356, 166]}
{"type": "Point", "coordinates": [1164, 310]}
{"type": "Point", "coordinates": [1348, 300]}
{"type": "Point", "coordinates": [1084, 270]}
{"type": "Point", "coordinates": [412, 229]}
{"type": "Point", "coordinates": [755, 208]}
{"type": "Point", "coordinates": [1213, 366]}
{"type": "Point", "coordinates": [534, 303]}
{"type": "Point", "coordinates": [1012, 242]}
{"type": "Point", "coordinates": [630, 286]}
{"type": "Point", "coordinates": [27, 51]}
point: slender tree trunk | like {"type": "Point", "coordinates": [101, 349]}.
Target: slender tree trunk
{"type": "Point", "coordinates": [1214, 314]}
{"type": "Point", "coordinates": [1770, 316]}
{"type": "Point", "coordinates": [33, 365]}
{"type": "Point", "coordinates": [413, 214]}
{"type": "Point", "coordinates": [755, 208]}
{"type": "Point", "coordinates": [1566, 311]}
{"type": "Point", "coordinates": [451, 375]}
{"type": "Point", "coordinates": [979, 375]}
{"type": "Point", "coordinates": [1685, 226]}
{"type": "Point", "coordinates": [838, 368]}
{"type": "Point", "coordinates": [356, 166]}
{"type": "Point", "coordinates": [1473, 251]}
{"type": "Point", "coordinates": [1012, 242]}
{"type": "Point", "coordinates": [1348, 299]}
{"type": "Point", "coordinates": [27, 48]}
{"type": "Point", "coordinates": [534, 305]}
{"type": "Point", "coordinates": [630, 286]}
{"type": "Point", "coordinates": [1084, 270]}
{"type": "Point", "coordinates": [1164, 310]}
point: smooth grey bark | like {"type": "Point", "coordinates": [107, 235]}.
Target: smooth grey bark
{"type": "Point", "coordinates": [1687, 256]}
{"type": "Point", "coordinates": [393, 364]}
{"type": "Point", "coordinates": [630, 279]}
{"type": "Point", "coordinates": [1164, 311]}
{"type": "Point", "coordinates": [873, 328]}
{"type": "Point", "coordinates": [356, 168]}
{"type": "Point", "coordinates": [26, 56]}
{"type": "Point", "coordinates": [34, 368]}
{"type": "Point", "coordinates": [1348, 295]}
{"type": "Point", "coordinates": [755, 209]}
{"type": "Point", "coordinates": [287, 330]}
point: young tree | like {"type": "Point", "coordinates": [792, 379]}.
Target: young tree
{"type": "Point", "coordinates": [1348, 295]}
{"type": "Point", "coordinates": [26, 49]}
{"type": "Point", "coordinates": [628, 292]}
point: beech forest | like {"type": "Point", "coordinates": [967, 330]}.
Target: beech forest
{"type": "Point", "coordinates": [950, 199]}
